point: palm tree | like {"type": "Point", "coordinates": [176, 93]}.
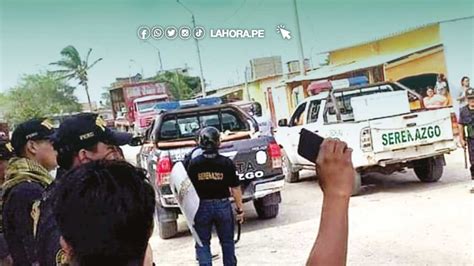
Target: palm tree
{"type": "Point", "coordinates": [75, 68]}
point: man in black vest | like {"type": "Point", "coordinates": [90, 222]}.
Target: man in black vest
{"type": "Point", "coordinates": [214, 177]}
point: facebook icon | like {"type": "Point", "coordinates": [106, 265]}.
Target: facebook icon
{"type": "Point", "coordinates": [143, 32]}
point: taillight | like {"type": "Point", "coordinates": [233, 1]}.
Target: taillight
{"type": "Point", "coordinates": [274, 152]}
{"type": "Point", "coordinates": [454, 124]}
{"type": "Point", "coordinates": [163, 171]}
{"type": "Point", "coordinates": [365, 139]}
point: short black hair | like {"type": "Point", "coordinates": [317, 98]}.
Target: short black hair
{"type": "Point", "coordinates": [104, 211]}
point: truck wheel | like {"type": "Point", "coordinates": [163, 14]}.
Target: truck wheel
{"type": "Point", "coordinates": [167, 229]}
{"type": "Point", "coordinates": [356, 189]}
{"type": "Point", "coordinates": [429, 170]}
{"type": "Point", "coordinates": [290, 176]}
{"type": "Point", "coordinates": [268, 206]}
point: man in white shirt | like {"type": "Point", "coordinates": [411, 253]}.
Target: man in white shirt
{"type": "Point", "coordinates": [265, 123]}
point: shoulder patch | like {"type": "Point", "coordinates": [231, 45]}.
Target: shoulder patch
{"type": "Point", "coordinates": [61, 258]}
{"type": "Point", "coordinates": [35, 214]}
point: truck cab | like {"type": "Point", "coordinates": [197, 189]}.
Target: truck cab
{"type": "Point", "coordinates": [144, 111]}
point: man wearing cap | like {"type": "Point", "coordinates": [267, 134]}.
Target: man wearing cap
{"type": "Point", "coordinates": [466, 129]}
{"type": "Point", "coordinates": [6, 153]}
{"type": "Point", "coordinates": [80, 139]}
{"type": "Point", "coordinates": [26, 179]}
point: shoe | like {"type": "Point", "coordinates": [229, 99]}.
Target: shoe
{"type": "Point", "coordinates": [472, 190]}
{"type": "Point", "coordinates": [213, 256]}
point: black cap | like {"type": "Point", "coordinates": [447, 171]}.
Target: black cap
{"type": "Point", "coordinates": [470, 93]}
{"type": "Point", "coordinates": [6, 150]}
{"type": "Point", "coordinates": [34, 129]}
{"type": "Point", "coordinates": [85, 130]}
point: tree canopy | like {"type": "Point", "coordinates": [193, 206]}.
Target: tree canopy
{"type": "Point", "coordinates": [39, 95]}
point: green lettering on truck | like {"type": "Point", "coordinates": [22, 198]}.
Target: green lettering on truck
{"type": "Point", "coordinates": [384, 139]}
{"type": "Point", "coordinates": [437, 131]}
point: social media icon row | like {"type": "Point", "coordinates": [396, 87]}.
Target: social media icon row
{"type": "Point", "coordinates": [171, 32]}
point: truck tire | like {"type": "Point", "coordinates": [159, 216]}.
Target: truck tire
{"type": "Point", "coordinates": [290, 176]}
{"type": "Point", "coordinates": [356, 189]}
{"type": "Point", "coordinates": [167, 230]}
{"type": "Point", "coordinates": [268, 206]}
{"type": "Point", "coordinates": [429, 170]}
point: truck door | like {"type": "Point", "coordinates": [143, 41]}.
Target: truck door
{"type": "Point", "coordinates": [297, 122]}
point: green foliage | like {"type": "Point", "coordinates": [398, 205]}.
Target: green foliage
{"type": "Point", "coordinates": [181, 87]}
{"type": "Point", "coordinates": [105, 98]}
{"type": "Point", "coordinates": [73, 67]}
{"type": "Point", "coordinates": [39, 95]}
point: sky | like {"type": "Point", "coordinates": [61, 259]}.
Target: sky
{"type": "Point", "coordinates": [33, 32]}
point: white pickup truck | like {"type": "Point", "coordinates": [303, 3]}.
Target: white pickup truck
{"type": "Point", "coordinates": [377, 123]}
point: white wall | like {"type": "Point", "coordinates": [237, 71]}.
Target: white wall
{"type": "Point", "coordinates": [458, 40]}
{"type": "Point", "coordinates": [280, 100]}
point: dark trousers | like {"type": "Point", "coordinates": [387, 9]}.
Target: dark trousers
{"type": "Point", "coordinates": [216, 213]}
{"type": "Point", "coordinates": [470, 149]}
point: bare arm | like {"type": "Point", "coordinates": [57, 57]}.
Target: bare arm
{"type": "Point", "coordinates": [336, 178]}
{"type": "Point", "coordinates": [330, 247]}
{"type": "Point", "coordinates": [237, 195]}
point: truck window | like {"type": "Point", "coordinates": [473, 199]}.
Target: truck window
{"type": "Point", "coordinates": [231, 122]}
{"type": "Point", "coordinates": [211, 120]}
{"type": "Point", "coordinates": [313, 111]}
{"type": "Point", "coordinates": [297, 118]}
{"type": "Point", "coordinates": [169, 130]}
{"type": "Point", "coordinates": [186, 125]}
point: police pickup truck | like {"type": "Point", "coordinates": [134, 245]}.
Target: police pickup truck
{"type": "Point", "coordinates": [172, 135]}
{"type": "Point", "coordinates": [378, 123]}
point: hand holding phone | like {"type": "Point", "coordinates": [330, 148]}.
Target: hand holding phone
{"type": "Point", "coordinates": [309, 145]}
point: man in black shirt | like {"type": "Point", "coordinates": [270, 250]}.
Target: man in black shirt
{"type": "Point", "coordinates": [212, 176]}
{"type": "Point", "coordinates": [466, 129]}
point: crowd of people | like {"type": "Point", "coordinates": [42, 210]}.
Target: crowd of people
{"type": "Point", "coordinates": [98, 209]}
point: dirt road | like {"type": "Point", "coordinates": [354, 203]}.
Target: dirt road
{"type": "Point", "coordinates": [397, 220]}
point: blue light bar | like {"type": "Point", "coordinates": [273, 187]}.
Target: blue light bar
{"type": "Point", "coordinates": [201, 102]}
{"type": "Point", "coordinates": [209, 101]}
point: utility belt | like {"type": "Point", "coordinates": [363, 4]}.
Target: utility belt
{"type": "Point", "coordinates": [215, 200]}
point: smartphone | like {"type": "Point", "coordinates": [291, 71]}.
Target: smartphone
{"type": "Point", "coordinates": [309, 145]}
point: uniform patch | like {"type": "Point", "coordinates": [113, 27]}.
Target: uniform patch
{"type": "Point", "coordinates": [100, 123]}
{"type": "Point", "coordinates": [35, 214]}
{"type": "Point", "coordinates": [61, 258]}
{"type": "Point", "coordinates": [47, 124]}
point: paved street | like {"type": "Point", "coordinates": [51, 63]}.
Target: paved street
{"type": "Point", "coordinates": [397, 220]}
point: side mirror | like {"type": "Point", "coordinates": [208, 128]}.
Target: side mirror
{"type": "Point", "coordinates": [136, 141]}
{"type": "Point", "coordinates": [283, 122]}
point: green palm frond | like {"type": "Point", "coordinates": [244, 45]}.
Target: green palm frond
{"type": "Point", "coordinates": [71, 53]}
{"type": "Point", "coordinates": [95, 62]}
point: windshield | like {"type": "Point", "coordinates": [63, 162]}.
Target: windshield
{"type": "Point", "coordinates": [187, 125]}
{"type": "Point", "coordinates": [143, 107]}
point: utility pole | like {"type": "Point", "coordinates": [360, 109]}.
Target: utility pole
{"type": "Point", "coordinates": [201, 77]}
{"type": "Point", "coordinates": [247, 83]}
{"type": "Point", "coordinates": [300, 42]}
{"type": "Point", "coordinates": [159, 54]}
